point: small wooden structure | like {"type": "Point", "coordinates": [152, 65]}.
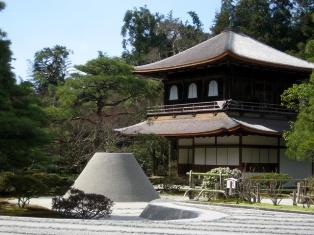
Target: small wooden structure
{"type": "Point", "coordinates": [211, 192]}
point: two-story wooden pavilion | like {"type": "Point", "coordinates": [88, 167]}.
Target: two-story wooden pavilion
{"type": "Point", "coordinates": [222, 106]}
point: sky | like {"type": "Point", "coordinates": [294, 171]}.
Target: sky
{"type": "Point", "coordinates": [85, 27]}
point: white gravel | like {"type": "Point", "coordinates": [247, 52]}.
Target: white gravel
{"type": "Point", "coordinates": [125, 220]}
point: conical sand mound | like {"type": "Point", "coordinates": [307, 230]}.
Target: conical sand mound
{"type": "Point", "coordinates": [117, 176]}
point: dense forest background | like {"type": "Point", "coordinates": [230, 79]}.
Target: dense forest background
{"type": "Point", "coordinates": [58, 120]}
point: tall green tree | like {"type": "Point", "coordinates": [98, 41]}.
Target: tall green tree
{"type": "Point", "coordinates": [224, 18]}
{"type": "Point", "coordinates": [300, 97]}
{"type": "Point", "coordinates": [22, 121]}
{"type": "Point", "coordinates": [300, 137]}
{"type": "Point", "coordinates": [140, 34]}
{"type": "Point", "coordinates": [50, 67]}
{"type": "Point", "coordinates": [286, 25]}
{"type": "Point", "coordinates": [103, 95]}
{"type": "Point", "coordinates": [149, 37]}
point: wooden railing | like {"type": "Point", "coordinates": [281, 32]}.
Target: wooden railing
{"type": "Point", "coordinates": [184, 108]}
{"type": "Point", "coordinates": [235, 105]}
{"type": "Point", "coordinates": [214, 106]}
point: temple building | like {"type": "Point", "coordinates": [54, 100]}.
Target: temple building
{"type": "Point", "coordinates": [222, 106]}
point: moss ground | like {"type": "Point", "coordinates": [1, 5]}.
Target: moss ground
{"type": "Point", "coordinates": [11, 209]}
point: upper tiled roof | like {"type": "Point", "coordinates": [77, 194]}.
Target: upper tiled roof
{"type": "Point", "coordinates": [228, 43]}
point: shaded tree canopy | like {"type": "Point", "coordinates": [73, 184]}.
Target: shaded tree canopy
{"type": "Point", "coordinates": [22, 120]}
{"type": "Point", "coordinates": [148, 37]}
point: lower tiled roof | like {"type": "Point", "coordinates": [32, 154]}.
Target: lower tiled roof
{"type": "Point", "coordinates": [205, 124]}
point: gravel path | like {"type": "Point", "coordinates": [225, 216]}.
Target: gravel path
{"type": "Point", "coordinates": [237, 221]}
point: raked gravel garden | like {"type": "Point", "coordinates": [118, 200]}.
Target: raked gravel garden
{"type": "Point", "coordinates": [125, 219]}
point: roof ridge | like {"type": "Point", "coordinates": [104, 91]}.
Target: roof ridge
{"type": "Point", "coordinates": [229, 41]}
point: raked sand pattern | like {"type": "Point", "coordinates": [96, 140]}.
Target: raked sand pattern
{"type": "Point", "coordinates": [126, 220]}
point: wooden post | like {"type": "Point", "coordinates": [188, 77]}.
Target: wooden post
{"type": "Point", "coordinates": [190, 178]}
{"type": "Point", "coordinates": [298, 192]}
{"type": "Point", "coordinates": [216, 188]}
{"type": "Point", "coordinates": [220, 181]}
{"type": "Point", "coordinates": [258, 196]}
{"type": "Point", "coordinates": [254, 195]}
{"type": "Point", "coordinates": [294, 198]}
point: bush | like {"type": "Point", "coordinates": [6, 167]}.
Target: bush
{"type": "Point", "coordinates": [273, 184]}
{"type": "Point", "coordinates": [3, 177]}
{"type": "Point", "coordinates": [265, 178]}
{"type": "Point", "coordinates": [56, 184]}
{"type": "Point", "coordinates": [82, 205]}
{"type": "Point", "coordinates": [24, 187]}
{"type": "Point", "coordinates": [211, 180]}
{"type": "Point", "coordinates": [311, 185]}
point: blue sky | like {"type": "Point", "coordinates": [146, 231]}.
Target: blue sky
{"type": "Point", "coordinates": [85, 27]}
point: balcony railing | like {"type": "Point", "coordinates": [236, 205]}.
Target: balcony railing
{"type": "Point", "coordinates": [216, 106]}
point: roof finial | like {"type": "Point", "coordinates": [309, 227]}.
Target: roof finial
{"type": "Point", "coordinates": [232, 16]}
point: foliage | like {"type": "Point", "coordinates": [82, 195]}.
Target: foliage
{"type": "Point", "coordinates": [3, 176]}
{"type": "Point", "coordinates": [273, 184]}
{"type": "Point", "coordinates": [50, 67]}
{"type": "Point", "coordinates": [286, 25]}
{"type": "Point", "coordinates": [148, 37]}
{"type": "Point", "coordinates": [265, 177]}
{"type": "Point", "coordinates": [151, 151]}
{"type": "Point", "coordinates": [310, 185]}
{"type": "Point", "coordinates": [169, 184]}
{"type": "Point", "coordinates": [105, 83]}
{"type": "Point", "coordinates": [57, 185]}
{"type": "Point", "coordinates": [103, 95]}
{"type": "Point", "coordinates": [82, 205]}
{"type": "Point", "coordinates": [24, 187]}
{"type": "Point", "coordinates": [22, 120]}
{"type": "Point", "coordinates": [211, 180]}
{"type": "Point", "coordinates": [300, 138]}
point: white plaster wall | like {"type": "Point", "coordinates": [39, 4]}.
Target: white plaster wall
{"type": "Point", "coordinates": [295, 169]}
{"type": "Point", "coordinates": [183, 156]}
{"type": "Point", "coordinates": [199, 156]}
{"type": "Point", "coordinates": [228, 140]}
{"type": "Point", "coordinates": [185, 142]}
{"type": "Point", "coordinates": [211, 156]}
{"type": "Point", "coordinates": [205, 140]}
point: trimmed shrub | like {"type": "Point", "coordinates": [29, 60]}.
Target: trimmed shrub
{"type": "Point", "coordinates": [3, 176]}
{"type": "Point", "coordinates": [56, 184]}
{"type": "Point", "coordinates": [82, 205]}
{"type": "Point", "coordinates": [24, 187]}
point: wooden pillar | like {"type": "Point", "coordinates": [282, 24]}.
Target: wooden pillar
{"type": "Point", "coordinates": [240, 151]}
{"type": "Point", "coordinates": [183, 97]}
{"type": "Point", "coordinates": [216, 149]}
{"type": "Point", "coordinates": [193, 151]}
{"type": "Point", "coordinates": [278, 153]}
{"type": "Point", "coordinates": [173, 157]}
{"type": "Point", "coordinates": [203, 95]}
{"type": "Point", "coordinates": [154, 162]}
